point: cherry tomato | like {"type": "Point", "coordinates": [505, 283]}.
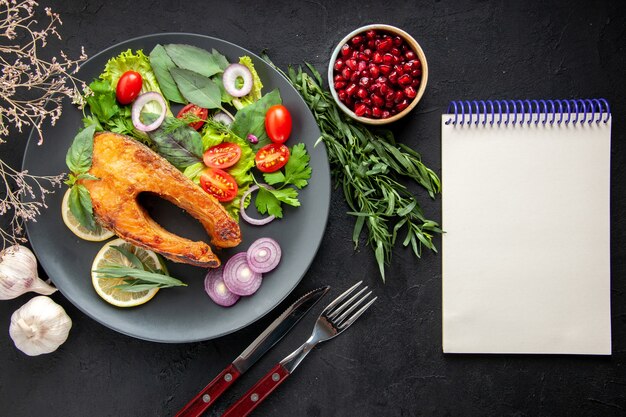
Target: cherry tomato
{"type": "Point", "coordinates": [271, 157]}
{"type": "Point", "coordinates": [222, 156]}
{"type": "Point", "coordinates": [128, 87]}
{"type": "Point", "coordinates": [219, 184]}
{"type": "Point", "coordinates": [278, 123]}
{"type": "Point", "coordinates": [197, 111]}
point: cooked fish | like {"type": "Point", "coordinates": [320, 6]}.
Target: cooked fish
{"type": "Point", "coordinates": [126, 168]}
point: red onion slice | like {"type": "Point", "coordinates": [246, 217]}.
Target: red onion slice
{"type": "Point", "coordinates": [230, 76]}
{"type": "Point", "coordinates": [139, 103]}
{"type": "Point", "coordinates": [263, 255]}
{"type": "Point", "coordinates": [242, 209]}
{"type": "Point", "coordinates": [222, 117]}
{"type": "Point", "coordinates": [239, 278]}
{"type": "Point", "coordinates": [217, 290]}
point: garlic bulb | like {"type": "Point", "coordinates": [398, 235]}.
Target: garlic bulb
{"type": "Point", "coordinates": [18, 273]}
{"type": "Point", "coordinates": [39, 326]}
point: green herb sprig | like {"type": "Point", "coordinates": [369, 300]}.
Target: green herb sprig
{"type": "Point", "coordinates": [369, 165]}
{"type": "Point", "coordinates": [140, 276]}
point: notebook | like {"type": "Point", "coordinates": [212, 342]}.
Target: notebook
{"type": "Point", "coordinates": [526, 257]}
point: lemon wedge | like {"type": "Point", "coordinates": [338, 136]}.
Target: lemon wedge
{"type": "Point", "coordinates": [74, 225]}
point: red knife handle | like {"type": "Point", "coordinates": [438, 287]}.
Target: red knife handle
{"type": "Point", "coordinates": [210, 393]}
{"type": "Point", "coordinates": [260, 391]}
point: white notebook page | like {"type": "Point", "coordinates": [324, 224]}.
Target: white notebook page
{"type": "Point", "coordinates": [526, 260]}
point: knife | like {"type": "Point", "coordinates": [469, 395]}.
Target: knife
{"type": "Point", "coordinates": [264, 342]}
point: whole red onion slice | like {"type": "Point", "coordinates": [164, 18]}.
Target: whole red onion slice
{"type": "Point", "coordinates": [139, 103]}
{"type": "Point", "coordinates": [239, 278]}
{"type": "Point", "coordinates": [263, 255]}
{"type": "Point", "coordinates": [242, 209]}
{"type": "Point", "coordinates": [230, 76]}
{"type": "Point", "coordinates": [217, 290]}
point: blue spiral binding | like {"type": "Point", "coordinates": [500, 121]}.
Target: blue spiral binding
{"type": "Point", "coordinates": [567, 111]}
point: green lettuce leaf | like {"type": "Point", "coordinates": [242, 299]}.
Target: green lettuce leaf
{"type": "Point", "coordinates": [255, 94]}
{"type": "Point", "coordinates": [251, 119]}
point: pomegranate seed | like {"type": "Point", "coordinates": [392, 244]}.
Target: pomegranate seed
{"type": "Point", "coordinates": [374, 70]}
{"type": "Point", "coordinates": [357, 40]}
{"type": "Point", "coordinates": [408, 66]}
{"type": "Point", "coordinates": [390, 96]}
{"type": "Point", "coordinates": [361, 93]}
{"type": "Point", "coordinates": [354, 54]}
{"type": "Point", "coordinates": [377, 100]}
{"type": "Point", "coordinates": [351, 89]}
{"type": "Point", "coordinates": [377, 112]}
{"type": "Point", "coordinates": [393, 77]}
{"type": "Point", "coordinates": [349, 102]}
{"type": "Point", "coordinates": [345, 50]}
{"type": "Point", "coordinates": [410, 92]}
{"type": "Point", "coordinates": [385, 69]}
{"type": "Point", "coordinates": [354, 76]}
{"type": "Point", "coordinates": [365, 81]}
{"type": "Point", "coordinates": [363, 57]}
{"type": "Point", "coordinates": [370, 34]}
{"type": "Point", "coordinates": [395, 51]}
{"type": "Point", "coordinates": [416, 72]}
{"type": "Point", "coordinates": [409, 55]}
{"type": "Point", "coordinates": [381, 80]}
{"type": "Point", "coordinates": [389, 104]}
{"type": "Point", "coordinates": [367, 101]}
{"type": "Point", "coordinates": [351, 63]}
{"type": "Point", "coordinates": [377, 58]}
{"type": "Point", "coordinates": [361, 66]}
{"type": "Point", "coordinates": [338, 78]}
{"type": "Point", "coordinates": [346, 73]}
{"type": "Point", "coordinates": [359, 109]}
{"type": "Point", "coordinates": [338, 65]}
{"type": "Point", "coordinates": [418, 63]}
{"type": "Point", "coordinates": [384, 89]}
{"type": "Point", "coordinates": [373, 88]}
{"type": "Point", "coordinates": [340, 84]}
{"type": "Point", "coordinates": [399, 96]}
{"type": "Point", "coordinates": [388, 59]}
{"type": "Point", "coordinates": [367, 52]}
{"type": "Point", "coordinates": [397, 41]}
{"type": "Point", "coordinates": [385, 114]}
{"type": "Point", "coordinates": [402, 105]}
{"type": "Point", "coordinates": [384, 45]}
{"type": "Point", "coordinates": [368, 112]}
{"type": "Point", "coordinates": [341, 94]}
{"type": "Point", "coordinates": [371, 43]}
{"type": "Point", "coordinates": [393, 111]}
{"type": "Point", "coordinates": [415, 82]}
{"type": "Point", "coordinates": [404, 80]}
{"type": "Point", "coordinates": [397, 59]}
{"type": "Point", "coordinates": [399, 69]}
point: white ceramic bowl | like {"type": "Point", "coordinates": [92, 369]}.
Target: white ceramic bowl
{"type": "Point", "coordinates": [414, 46]}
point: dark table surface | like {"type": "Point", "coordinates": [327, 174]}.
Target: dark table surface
{"type": "Point", "coordinates": [391, 362]}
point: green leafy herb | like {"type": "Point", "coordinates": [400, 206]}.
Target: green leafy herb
{"type": "Point", "coordinates": [181, 145]}
{"type": "Point", "coordinates": [196, 59]}
{"type": "Point", "coordinates": [161, 64]}
{"type": "Point", "coordinates": [269, 201]}
{"type": "Point", "coordinates": [297, 170]}
{"type": "Point", "coordinates": [251, 119]}
{"type": "Point", "coordinates": [257, 85]}
{"type": "Point", "coordinates": [197, 89]}
{"type": "Point", "coordinates": [81, 207]}
{"type": "Point", "coordinates": [78, 158]}
{"type": "Point", "coordinates": [368, 166]}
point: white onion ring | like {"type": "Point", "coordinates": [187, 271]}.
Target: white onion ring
{"type": "Point", "coordinates": [242, 209]}
{"type": "Point", "coordinates": [229, 79]}
{"type": "Point", "coordinates": [139, 103]}
{"type": "Point", "coordinates": [222, 117]}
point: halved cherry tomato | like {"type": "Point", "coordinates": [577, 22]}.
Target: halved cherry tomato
{"type": "Point", "coordinates": [128, 87]}
{"type": "Point", "coordinates": [222, 156]}
{"type": "Point", "coordinates": [197, 111]}
{"type": "Point", "coordinates": [271, 157]}
{"type": "Point", "coordinates": [219, 184]}
{"type": "Point", "coordinates": [278, 123]}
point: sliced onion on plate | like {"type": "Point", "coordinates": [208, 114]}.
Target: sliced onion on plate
{"type": "Point", "coordinates": [139, 104]}
{"type": "Point", "coordinates": [242, 209]}
{"type": "Point", "coordinates": [217, 290]}
{"type": "Point", "coordinates": [239, 278]}
{"type": "Point", "coordinates": [222, 117]}
{"type": "Point", "coordinates": [234, 72]}
{"type": "Point", "coordinates": [263, 255]}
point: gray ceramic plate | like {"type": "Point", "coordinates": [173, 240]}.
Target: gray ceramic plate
{"type": "Point", "coordinates": [183, 314]}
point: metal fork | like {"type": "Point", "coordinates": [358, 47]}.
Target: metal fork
{"type": "Point", "coordinates": [340, 314]}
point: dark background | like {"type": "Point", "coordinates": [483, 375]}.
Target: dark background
{"type": "Point", "coordinates": [390, 363]}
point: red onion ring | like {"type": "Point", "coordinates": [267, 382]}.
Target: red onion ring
{"type": "Point", "coordinates": [263, 255]}
{"type": "Point", "coordinates": [239, 278]}
{"type": "Point", "coordinates": [222, 117]}
{"type": "Point", "coordinates": [139, 103]}
{"type": "Point", "coordinates": [242, 209]}
{"type": "Point", "coordinates": [217, 290]}
{"type": "Point", "coordinates": [229, 79]}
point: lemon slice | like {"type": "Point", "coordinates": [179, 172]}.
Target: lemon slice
{"type": "Point", "coordinates": [74, 225]}
{"type": "Point", "coordinates": [105, 287]}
